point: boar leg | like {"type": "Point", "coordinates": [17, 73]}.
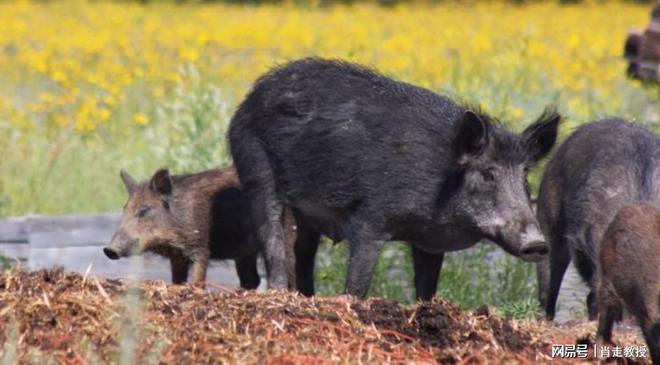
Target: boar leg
{"type": "Point", "coordinates": [606, 322]}
{"type": "Point", "coordinates": [649, 320]}
{"type": "Point", "coordinates": [586, 269]}
{"type": "Point", "coordinates": [306, 245]}
{"type": "Point", "coordinates": [363, 257]}
{"type": "Point", "coordinates": [267, 215]}
{"type": "Point", "coordinates": [592, 306]}
{"type": "Point", "coordinates": [559, 259]}
{"type": "Point", "coordinates": [199, 266]}
{"type": "Point", "coordinates": [290, 232]}
{"type": "Point", "coordinates": [543, 279]}
{"type": "Point", "coordinates": [179, 267]}
{"type": "Point", "coordinates": [652, 337]}
{"type": "Point", "coordinates": [427, 272]}
{"type": "Point", "coordinates": [610, 310]}
{"type": "Point", "coordinates": [246, 268]}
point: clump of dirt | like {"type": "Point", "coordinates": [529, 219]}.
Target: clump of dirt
{"type": "Point", "coordinates": [433, 324]}
{"type": "Point", "coordinates": [54, 316]}
{"type": "Point", "coordinates": [510, 337]}
{"type": "Point", "coordinates": [440, 324]}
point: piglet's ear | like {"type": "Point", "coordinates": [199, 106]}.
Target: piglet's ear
{"type": "Point", "coordinates": [161, 182]}
{"type": "Point", "coordinates": [541, 136]}
{"type": "Point", "coordinates": [471, 137]}
{"type": "Point", "coordinates": [129, 182]}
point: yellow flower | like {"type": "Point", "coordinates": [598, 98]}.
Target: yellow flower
{"type": "Point", "coordinates": [158, 92]}
{"type": "Point", "coordinates": [517, 112]}
{"type": "Point", "coordinates": [103, 114]}
{"type": "Point", "coordinates": [58, 75]}
{"type": "Point", "coordinates": [574, 41]}
{"type": "Point", "coordinates": [189, 54]}
{"type": "Point", "coordinates": [61, 120]}
{"type": "Point", "coordinates": [140, 118]}
{"type": "Point", "coordinates": [84, 72]}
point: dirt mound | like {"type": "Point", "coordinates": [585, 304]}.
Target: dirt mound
{"type": "Point", "coordinates": [53, 315]}
{"type": "Point", "coordinates": [441, 325]}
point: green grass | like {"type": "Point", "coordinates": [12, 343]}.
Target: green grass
{"type": "Point", "coordinates": [483, 274]}
{"type": "Point", "coordinates": [66, 171]}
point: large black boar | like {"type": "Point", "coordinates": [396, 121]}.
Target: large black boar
{"type": "Point", "coordinates": [601, 167]}
{"type": "Point", "coordinates": [630, 273]}
{"type": "Point", "coordinates": [371, 160]}
{"type": "Point", "coordinates": [191, 219]}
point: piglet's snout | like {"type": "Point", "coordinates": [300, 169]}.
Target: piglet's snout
{"type": "Point", "coordinates": [120, 246]}
{"type": "Point", "coordinates": [111, 253]}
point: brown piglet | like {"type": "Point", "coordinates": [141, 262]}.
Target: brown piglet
{"type": "Point", "coordinates": [630, 273]}
{"type": "Point", "coordinates": [191, 219]}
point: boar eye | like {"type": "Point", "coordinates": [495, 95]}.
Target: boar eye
{"type": "Point", "coordinates": [142, 211]}
{"type": "Point", "coordinates": [489, 174]}
{"type": "Point", "coordinates": [166, 205]}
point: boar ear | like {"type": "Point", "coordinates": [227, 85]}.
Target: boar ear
{"type": "Point", "coordinates": [161, 182]}
{"type": "Point", "coordinates": [541, 136]}
{"type": "Point", "coordinates": [471, 137]}
{"type": "Point", "coordinates": [129, 181]}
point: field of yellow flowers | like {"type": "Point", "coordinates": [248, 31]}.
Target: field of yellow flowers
{"type": "Point", "coordinates": [89, 87]}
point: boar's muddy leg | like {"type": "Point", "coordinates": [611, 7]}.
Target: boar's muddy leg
{"type": "Point", "coordinates": [246, 268]}
{"type": "Point", "coordinates": [306, 245]}
{"type": "Point", "coordinates": [427, 272]}
{"type": "Point", "coordinates": [179, 267]}
{"type": "Point", "coordinates": [560, 257]}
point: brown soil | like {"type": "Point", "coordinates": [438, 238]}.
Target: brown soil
{"type": "Point", "coordinates": [53, 316]}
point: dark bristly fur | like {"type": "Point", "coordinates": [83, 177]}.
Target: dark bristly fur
{"type": "Point", "coordinates": [190, 219]}
{"type": "Point", "coordinates": [369, 159]}
{"type": "Point", "coordinates": [601, 167]}
{"type": "Point", "coordinates": [630, 273]}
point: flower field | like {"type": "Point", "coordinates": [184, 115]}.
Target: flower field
{"type": "Point", "coordinates": [89, 87]}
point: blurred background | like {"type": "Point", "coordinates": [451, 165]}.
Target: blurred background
{"type": "Point", "coordinates": [89, 87]}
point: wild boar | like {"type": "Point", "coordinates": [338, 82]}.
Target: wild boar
{"type": "Point", "coordinates": [601, 167]}
{"type": "Point", "coordinates": [630, 273]}
{"type": "Point", "coordinates": [190, 219]}
{"type": "Point", "coordinates": [377, 160]}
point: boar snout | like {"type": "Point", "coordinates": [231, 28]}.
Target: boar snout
{"type": "Point", "coordinates": [111, 252]}
{"type": "Point", "coordinates": [533, 247]}
{"type": "Point", "coordinates": [120, 246]}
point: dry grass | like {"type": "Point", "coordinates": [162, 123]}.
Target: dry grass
{"type": "Point", "coordinates": [53, 316]}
